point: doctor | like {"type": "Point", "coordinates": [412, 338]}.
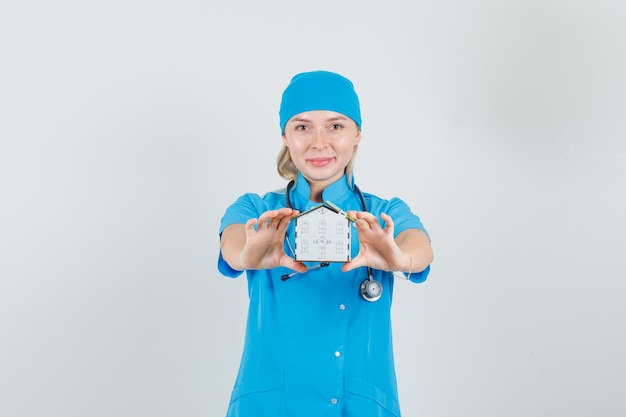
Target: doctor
{"type": "Point", "coordinates": [315, 345]}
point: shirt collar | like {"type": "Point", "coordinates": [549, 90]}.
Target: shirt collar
{"type": "Point", "coordinates": [336, 192]}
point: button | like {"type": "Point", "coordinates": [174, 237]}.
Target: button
{"type": "Point", "coordinates": [337, 354]}
{"type": "Point", "coordinates": [334, 401]}
{"type": "Point", "coordinates": [342, 306]}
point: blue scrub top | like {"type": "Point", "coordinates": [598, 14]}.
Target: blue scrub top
{"type": "Point", "coordinates": [313, 346]}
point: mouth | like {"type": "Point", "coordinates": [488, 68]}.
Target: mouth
{"type": "Point", "coordinates": [320, 162]}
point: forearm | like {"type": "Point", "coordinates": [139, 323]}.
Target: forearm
{"type": "Point", "coordinates": [417, 250]}
{"type": "Point", "coordinates": [232, 243]}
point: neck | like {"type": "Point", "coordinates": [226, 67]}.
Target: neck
{"type": "Point", "coordinates": [317, 187]}
{"type": "Point", "coordinates": [316, 192]}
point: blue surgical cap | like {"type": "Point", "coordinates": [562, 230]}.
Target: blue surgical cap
{"type": "Point", "coordinates": [319, 90]}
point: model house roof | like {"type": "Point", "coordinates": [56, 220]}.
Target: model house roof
{"type": "Point", "coordinates": [330, 206]}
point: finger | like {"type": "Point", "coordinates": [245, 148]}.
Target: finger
{"type": "Point", "coordinates": [283, 219]}
{"type": "Point", "coordinates": [291, 264]}
{"type": "Point", "coordinates": [360, 214]}
{"type": "Point", "coordinates": [389, 225]}
{"type": "Point", "coordinates": [360, 218]}
{"type": "Point", "coordinates": [284, 223]}
{"type": "Point", "coordinates": [287, 214]}
{"type": "Point", "coordinates": [277, 216]}
{"type": "Point", "coordinates": [285, 211]}
{"type": "Point", "coordinates": [357, 262]}
{"type": "Point", "coordinates": [266, 217]}
{"type": "Point", "coordinates": [373, 221]}
{"type": "Point", "coordinates": [250, 225]}
{"type": "Point", "coordinates": [273, 218]}
{"type": "Point", "coordinates": [367, 221]}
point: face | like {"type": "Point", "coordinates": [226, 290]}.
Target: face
{"type": "Point", "coordinates": [321, 144]}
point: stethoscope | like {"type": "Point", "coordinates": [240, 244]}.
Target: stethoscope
{"type": "Point", "coordinates": [370, 289]}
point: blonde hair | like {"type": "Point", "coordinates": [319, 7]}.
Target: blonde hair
{"type": "Point", "coordinates": [287, 169]}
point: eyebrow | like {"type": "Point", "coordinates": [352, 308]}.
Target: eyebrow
{"type": "Point", "coordinates": [331, 119]}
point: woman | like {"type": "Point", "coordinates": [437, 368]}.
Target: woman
{"type": "Point", "coordinates": [319, 343]}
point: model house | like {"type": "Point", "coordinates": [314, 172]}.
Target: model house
{"type": "Point", "coordinates": [323, 234]}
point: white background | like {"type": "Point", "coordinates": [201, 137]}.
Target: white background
{"type": "Point", "coordinates": [127, 127]}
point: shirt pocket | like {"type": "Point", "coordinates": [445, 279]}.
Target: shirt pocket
{"type": "Point", "coordinates": [364, 399]}
{"type": "Point", "coordinates": [258, 397]}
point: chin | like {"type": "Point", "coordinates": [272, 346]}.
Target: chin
{"type": "Point", "coordinates": [324, 178]}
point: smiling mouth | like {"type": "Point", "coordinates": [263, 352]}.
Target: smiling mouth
{"type": "Point", "coordinates": [320, 162]}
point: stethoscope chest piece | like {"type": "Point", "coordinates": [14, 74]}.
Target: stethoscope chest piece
{"type": "Point", "coordinates": [371, 290]}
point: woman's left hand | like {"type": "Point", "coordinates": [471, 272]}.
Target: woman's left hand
{"type": "Point", "coordinates": [377, 246]}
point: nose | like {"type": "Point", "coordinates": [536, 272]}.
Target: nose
{"type": "Point", "coordinates": [320, 141]}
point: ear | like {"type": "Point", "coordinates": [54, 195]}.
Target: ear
{"type": "Point", "coordinates": [357, 138]}
{"type": "Point", "coordinates": [285, 140]}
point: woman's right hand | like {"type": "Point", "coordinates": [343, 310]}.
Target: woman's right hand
{"type": "Point", "coordinates": [246, 247]}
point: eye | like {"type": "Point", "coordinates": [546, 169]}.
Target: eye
{"type": "Point", "coordinates": [336, 126]}
{"type": "Point", "coordinates": [301, 128]}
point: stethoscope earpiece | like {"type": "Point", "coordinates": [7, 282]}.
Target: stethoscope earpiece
{"type": "Point", "coordinates": [371, 290]}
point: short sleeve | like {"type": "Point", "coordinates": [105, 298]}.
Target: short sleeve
{"type": "Point", "coordinates": [418, 277]}
{"type": "Point", "coordinates": [246, 207]}
{"type": "Point", "coordinates": [404, 219]}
